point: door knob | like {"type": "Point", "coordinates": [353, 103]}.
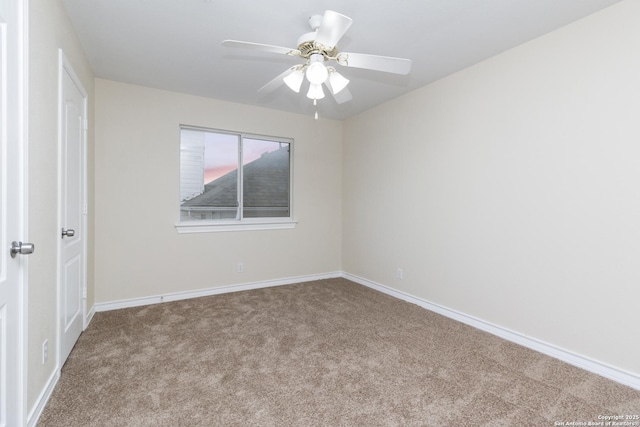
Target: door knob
{"type": "Point", "coordinates": [21, 248]}
{"type": "Point", "coordinates": [68, 233]}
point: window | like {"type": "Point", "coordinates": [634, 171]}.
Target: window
{"type": "Point", "coordinates": [234, 180]}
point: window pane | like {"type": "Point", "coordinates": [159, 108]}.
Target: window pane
{"type": "Point", "coordinates": [265, 185]}
{"type": "Point", "coordinates": [231, 176]}
{"type": "Point", "coordinates": [208, 175]}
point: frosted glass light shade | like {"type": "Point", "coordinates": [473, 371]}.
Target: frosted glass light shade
{"type": "Point", "coordinates": [337, 82]}
{"type": "Point", "coordinates": [317, 73]}
{"type": "Point", "coordinates": [294, 80]}
{"type": "Point", "coordinates": [315, 91]}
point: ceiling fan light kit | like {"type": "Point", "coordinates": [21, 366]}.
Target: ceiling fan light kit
{"type": "Point", "coordinates": [316, 72]}
{"type": "Point", "coordinates": [294, 80]}
{"type": "Point", "coordinates": [318, 47]}
{"type": "Point", "coordinates": [315, 91]}
{"type": "Point", "coordinates": [337, 81]}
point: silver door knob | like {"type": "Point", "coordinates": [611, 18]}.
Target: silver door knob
{"type": "Point", "coordinates": [21, 248]}
{"type": "Point", "coordinates": [68, 233]}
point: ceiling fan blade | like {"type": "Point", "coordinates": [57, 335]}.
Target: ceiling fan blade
{"type": "Point", "coordinates": [374, 62]}
{"type": "Point", "coordinates": [260, 46]}
{"type": "Point", "coordinates": [343, 96]}
{"type": "Point", "coordinates": [277, 81]}
{"type": "Point", "coordinates": [332, 28]}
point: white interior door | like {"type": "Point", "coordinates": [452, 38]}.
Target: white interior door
{"type": "Point", "coordinates": [72, 211]}
{"type": "Point", "coordinates": [11, 214]}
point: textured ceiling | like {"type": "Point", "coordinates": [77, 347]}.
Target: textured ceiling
{"type": "Point", "coordinates": [175, 44]}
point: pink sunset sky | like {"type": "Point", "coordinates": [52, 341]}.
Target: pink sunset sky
{"type": "Point", "coordinates": [221, 153]}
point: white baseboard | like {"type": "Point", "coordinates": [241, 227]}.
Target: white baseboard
{"type": "Point", "coordinates": [176, 296]}
{"type": "Point", "coordinates": [611, 372]}
{"type": "Point", "coordinates": [41, 402]}
{"type": "Point", "coordinates": [89, 316]}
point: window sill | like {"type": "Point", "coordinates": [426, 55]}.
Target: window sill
{"type": "Point", "coordinates": [213, 227]}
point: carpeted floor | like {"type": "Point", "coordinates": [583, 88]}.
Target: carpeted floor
{"type": "Point", "coordinates": [323, 353]}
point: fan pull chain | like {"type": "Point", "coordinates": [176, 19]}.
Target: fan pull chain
{"type": "Point", "coordinates": [315, 104]}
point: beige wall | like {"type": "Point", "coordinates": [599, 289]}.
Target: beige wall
{"type": "Point", "coordinates": [138, 250]}
{"type": "Point", "coordinates": [507, 191]}
{"type": "Point", "coordinates": [49, 30]}
{"type": "Point", "coordinates": [510, 190]}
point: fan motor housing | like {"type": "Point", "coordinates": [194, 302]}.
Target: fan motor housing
{"type": "Point", "coordinates": [308, 48]}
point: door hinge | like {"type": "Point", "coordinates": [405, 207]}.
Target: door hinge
{"type": "Point", "coordinates": [85, 124]}
{"type": "Point", "coordinates": [84, 293]}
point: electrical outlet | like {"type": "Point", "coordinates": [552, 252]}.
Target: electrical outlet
{"type": "Point", "coordinates": [399, 274]}
{"type": "Point", "coordinates": [240, 267]}
{"type": "Point", "coordinates": [45, 351]}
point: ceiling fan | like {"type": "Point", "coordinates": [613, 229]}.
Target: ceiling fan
{"type": "Point", "coordinates": [316, 48]}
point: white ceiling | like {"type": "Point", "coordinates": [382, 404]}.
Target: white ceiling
{"type": "Point", "coordinates": [175, 44]}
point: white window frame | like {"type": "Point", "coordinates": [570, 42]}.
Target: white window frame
{"type": "Point", "coordinates": [241, 224]}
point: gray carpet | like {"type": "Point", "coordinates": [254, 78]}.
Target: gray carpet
{"type": "Point", "coordinates": [323, 353]}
